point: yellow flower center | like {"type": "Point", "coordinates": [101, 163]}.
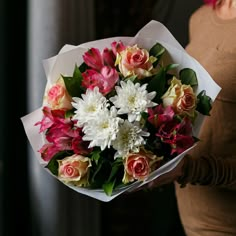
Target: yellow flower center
{"type": "Point", "coordinates": [91, 108]}
{"type": "Point", "coordinates": [131, 100]}
{"type": "Point", "coordinates": [104, 125]}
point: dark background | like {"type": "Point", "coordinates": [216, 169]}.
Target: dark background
{"type": "Point", "coordinates": [154, 212]}
{"type": "Point", "coordinates": [15, 212]}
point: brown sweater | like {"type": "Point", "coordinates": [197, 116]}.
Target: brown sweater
{"type": "Point", "coordinates": [208, 205]}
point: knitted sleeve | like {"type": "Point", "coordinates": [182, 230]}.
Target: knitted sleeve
{"type": "Point", "coordinates": [209, 170]}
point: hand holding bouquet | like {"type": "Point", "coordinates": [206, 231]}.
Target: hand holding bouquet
{"type": "Point", "coordinates": [124, 112]}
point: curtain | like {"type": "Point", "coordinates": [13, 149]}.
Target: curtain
{"type": "Point", "coordinates": [175, 14]}
{"type": "Point", "coordinates": [56, 209]}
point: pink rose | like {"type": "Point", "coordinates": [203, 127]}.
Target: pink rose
{"type": "Point", "coordinates": [57, 96]}
{"type": "Point", "coordinates": [74, 169]}
{"type": "Point", "coordinates": [138, 166]}
{"type": "Point", "coordinates": [186, 103]}
{"type": "Point", "coordinates": [181, 97]}
{"type": "Point", "coordinates": [135, 61]}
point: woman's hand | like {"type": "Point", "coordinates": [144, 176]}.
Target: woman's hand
{"type": "Point", "coordinates": [166, 178]}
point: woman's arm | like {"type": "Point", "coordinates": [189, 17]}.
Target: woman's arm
{"type": "Point", "coordinates": [204, 170]}
{"type": "Point", "coordinates": [209, 170]}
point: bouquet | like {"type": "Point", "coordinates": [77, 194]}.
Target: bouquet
{"type": "Point", "coordinates": [119, 112]}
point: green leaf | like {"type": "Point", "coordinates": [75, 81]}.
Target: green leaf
{"type": "Point", "coordinates": [96, 156]}
{"type": "Point", "coordinates": [158, 84]}
{"type": "Point", "coordinates": [108, 187]}
{"type": "Point", "coordinates": [69, 113]}
{"type": "Point", "coordinates": [115, 174]}
{"type": "Point", "coordinates": [144, 115]}
{"type": "Point", "coordinates": [115, 168]}
{"type": "Point", "coordinates": [97, 170]}
{"type": "Point", "coordinates": [73, 84]}
{"type": "Point", "coordinates": [131, 78]}
{"type": "Point", "coordinates": [83, 67]}
{"type": "Point", "coordinates": [76, 73]}
{"type": "Point", "coordinates": [188, 77]}
{"type": "Point", "coordinates": [157, 50]}
{"type": "Point", "coordinates": [204, 103]}
{"type": "Point", "coordinates": [53, 163]}
{"type": "Point", "coordinates": [171, 67]}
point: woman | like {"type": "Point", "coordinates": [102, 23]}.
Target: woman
{"type": "Point", "coordinates": [206, 178]}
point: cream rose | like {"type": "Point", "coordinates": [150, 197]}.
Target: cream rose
{"type": "Point", "coordinates": [74, 169]}
{"type": "Point", "coordinates": [135, 61]}
{"type": "Point", "coordinates": [138, 166]}
{"type": "Point", "coordinates": [181, 97]}
{"type": "Point", "coordinates": [57, 96]}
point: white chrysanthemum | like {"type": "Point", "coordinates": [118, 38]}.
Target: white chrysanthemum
{"type": "Point", "coordinates": [129, 138]}
{"type": "Point", "coordinates": [102, 130]}
{"type": "Point", "coordinates": [132, 99]}
{"type": "Point", "coordinates": [89, 106]}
